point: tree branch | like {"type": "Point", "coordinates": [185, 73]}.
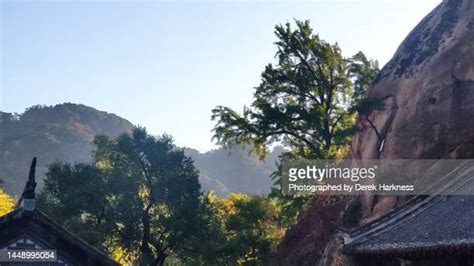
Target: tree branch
{"type": "Point", "coordinates": [374, 128]}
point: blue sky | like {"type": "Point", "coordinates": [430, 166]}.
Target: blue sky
{"type": "Point", "coordinates": [165, 65]}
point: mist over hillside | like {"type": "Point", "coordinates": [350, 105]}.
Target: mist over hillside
{"type": "Point", "coordinates": [64, 133]}
{"type": "Point", "coordinates": [235, 170]}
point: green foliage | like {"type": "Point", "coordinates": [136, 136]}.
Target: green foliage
{"type": "Point", "coordinates": [363, 71]}
{"type": "Point", "coordinates": [250, 227]}
{"type": "Point", "coordinates": [289, 206]}
{"type": "Point", "coordinates": [302, 102]}
{"type": "Point", "coordinates": [364, 107]}
{"type": "Point", "coordinates": [77, 195]}
{"type": "Point", "coordinates": [141, 196]}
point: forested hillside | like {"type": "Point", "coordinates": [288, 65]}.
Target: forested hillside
{"type": "Point", "coordinates": [58, 133]}
{"type": "Point", "coordinates": [64, 133]}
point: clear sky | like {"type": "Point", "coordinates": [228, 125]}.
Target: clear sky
{"type": "Point", "coordinates": [165, 65]}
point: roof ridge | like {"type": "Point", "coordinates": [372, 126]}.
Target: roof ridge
{"type": "Point", "coordinates": [411, 206]}
{"type": "Point", "coordinates": [73, 237]}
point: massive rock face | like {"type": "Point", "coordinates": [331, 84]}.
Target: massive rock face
{"type": "Point", "coordinates": [428, 89]}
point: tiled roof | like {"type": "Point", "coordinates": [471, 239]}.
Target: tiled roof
{"type": "Point", "coordinates": [21, 222]}
{"type": "Point", "coordinates": [427, 224]}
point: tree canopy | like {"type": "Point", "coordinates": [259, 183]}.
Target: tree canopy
{"type": "Point", "coordinates": [249, 225]}
{"type": "Point", "coordinates": [304, 101]}
{"type": "Point", "coordinates": [139, 198]}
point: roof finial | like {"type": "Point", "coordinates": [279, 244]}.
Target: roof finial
{"type": "Point", "coordinates": [28, 196]}
{"type": "Point", "coordinates": [31, 176]}
{"type": "Point", "coordinates": [29, 192]}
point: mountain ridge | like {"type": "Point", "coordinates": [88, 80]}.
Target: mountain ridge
{"type": "Point", "coordinates": [64, 133]}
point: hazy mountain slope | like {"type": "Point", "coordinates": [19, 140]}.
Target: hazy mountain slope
{"type": "Point", "coordinates": [234, 170]}
{"type": "Point", "coordinates": [60, 133]}
{"type": "Point", "coordinates": [64, 133]}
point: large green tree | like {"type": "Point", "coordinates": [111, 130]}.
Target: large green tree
{"type": "Point", "coordinates": [140, 196]}
{"type": "Point", "coordinates": [77, 196]}
{"type": "Point", "coordinates": [303, 102]}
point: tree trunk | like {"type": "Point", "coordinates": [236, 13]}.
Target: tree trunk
{"type": "Point", "coordinates": [160, 261]}
{"type": "Point", "coordinates": [146, 256]}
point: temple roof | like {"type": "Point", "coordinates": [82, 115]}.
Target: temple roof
{"type": "Point", "coordinates": [37, 226]}
{"type": "Point", "coordinates": [29, 226]}
{"type": "Point", "coordinates": [425, 224]}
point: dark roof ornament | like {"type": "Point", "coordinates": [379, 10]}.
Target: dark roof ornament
{"type": "Point", "coordinates": [27, 200]}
